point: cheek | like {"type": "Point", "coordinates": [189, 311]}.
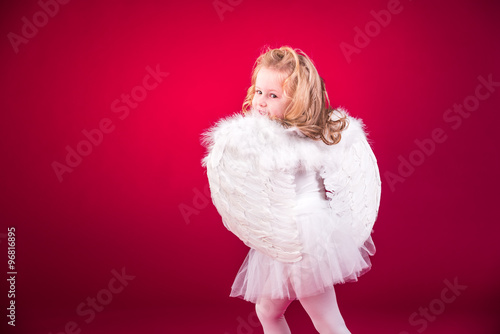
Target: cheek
{"type": "Point", "coordinates": [253, 101]}
{"type": "Point", "coordinates": [283, 105]}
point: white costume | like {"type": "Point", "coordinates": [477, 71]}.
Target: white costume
{"type": "Point", "coordinates": [305, 208]}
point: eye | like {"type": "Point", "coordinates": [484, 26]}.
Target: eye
{"type": "Point", "coordinates": [258, 92]}
{"type": "Point", "coordinates": [274, 96]}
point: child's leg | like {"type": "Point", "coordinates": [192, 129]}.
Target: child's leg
{"type": "Point", "coordinates": [271, 315]}
{"type": "Point", "coordinates": [324, 313]}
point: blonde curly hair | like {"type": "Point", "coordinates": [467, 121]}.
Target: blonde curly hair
{"type": "Point", "coordinates": [309, 108]}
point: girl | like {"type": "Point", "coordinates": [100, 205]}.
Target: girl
{"type": "Point", "coordinates": [296, 181]}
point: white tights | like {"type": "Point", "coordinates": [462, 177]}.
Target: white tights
{"type": "Point", "coordinates": [322, 309]}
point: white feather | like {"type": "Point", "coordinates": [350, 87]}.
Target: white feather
{"type": "Point", "coordinates": [251, 165]}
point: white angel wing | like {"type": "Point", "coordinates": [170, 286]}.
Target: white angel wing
{"type": "Point", "coordinates": [353, 183]}
{"type": "Point", "coordinates": [255, 202]}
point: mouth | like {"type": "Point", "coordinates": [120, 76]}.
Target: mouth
{"type": "Point", "coordinates": [262, 112]}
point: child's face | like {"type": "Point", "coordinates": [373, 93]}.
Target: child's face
{"type": "Point", "coordinates": [269, 98]}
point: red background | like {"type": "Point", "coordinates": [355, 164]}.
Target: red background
{"type": "Point", "coordinates": [122, 205]}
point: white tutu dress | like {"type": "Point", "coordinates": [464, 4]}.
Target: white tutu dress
{"type": "Point", "coordinates": [329, 254]}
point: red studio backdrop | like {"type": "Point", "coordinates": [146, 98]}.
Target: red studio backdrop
{"type": "Point", "coordinates": [103, 105]}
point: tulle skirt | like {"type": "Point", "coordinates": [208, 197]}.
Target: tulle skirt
{"type": "Point", "coordinates": [330, 256]}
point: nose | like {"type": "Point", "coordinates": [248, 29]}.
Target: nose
{"type": "Point", "coordinates": [261, 101]}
